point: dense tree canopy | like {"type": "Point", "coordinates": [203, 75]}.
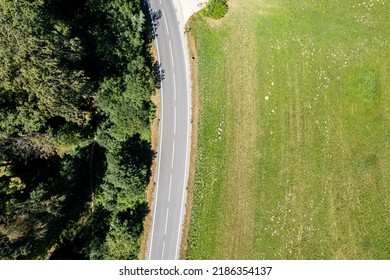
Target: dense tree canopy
{"type": "Point", "coordinates": [75, 88]}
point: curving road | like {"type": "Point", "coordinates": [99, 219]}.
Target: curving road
{"type": "Point", "coordinates": [173, 154]}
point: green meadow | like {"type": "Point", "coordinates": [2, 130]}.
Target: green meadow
{"type": "Point", "coordinates": [293, 153]}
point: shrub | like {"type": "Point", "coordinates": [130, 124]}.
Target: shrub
{"type": "Point", "coordinates": [216, 9]}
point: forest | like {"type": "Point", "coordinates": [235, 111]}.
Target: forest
{"type": "Point", "coordinates": [76, 80]}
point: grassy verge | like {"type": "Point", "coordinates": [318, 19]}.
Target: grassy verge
{"type": "Point", "coordinates": [293, 144]}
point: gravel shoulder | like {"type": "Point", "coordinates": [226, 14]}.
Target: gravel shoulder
{"type": "Point", "coordinates": [186, 8]}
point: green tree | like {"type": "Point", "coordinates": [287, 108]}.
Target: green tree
{"type": "Point", "coordinates": [34, 85]}
{"type": "Point", "coordinates": [75, 88]}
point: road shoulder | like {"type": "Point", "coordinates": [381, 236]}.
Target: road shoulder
{"type": "Point", "coordinates": [194, 120]}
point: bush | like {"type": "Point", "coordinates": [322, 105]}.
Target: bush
{"type": "Point", "coordinates": [216, 9]}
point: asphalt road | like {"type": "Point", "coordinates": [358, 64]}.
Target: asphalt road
{"type": "Point", "coordinates": [173, 154]}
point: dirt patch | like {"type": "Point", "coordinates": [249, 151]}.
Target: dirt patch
{"type": "Point", "coordinates": [243, 130]}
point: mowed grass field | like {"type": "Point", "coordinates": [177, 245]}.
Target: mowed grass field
{"type": "Point", "coordinates": [293, 153]}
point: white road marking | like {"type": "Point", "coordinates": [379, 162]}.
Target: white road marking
{"type": "Point", "coordinates": [174, 86]}
{"type": "Point", "coordinates": [184, 193]}
{"type": "Point", "coordinates": [159, 152]}
{"type": "Point", "coordinates": [170, 47]}
{"type": "Point", "coordinates": [170, 187]}
{"type": "Point", "coordinates": [174, 124]}
{"type": "Point", "coordinates": [159, 148]}
{"type": "Point", "coordinates": [173, 153]}
{"type": "Point", "coordinates": [163, 249]}
{"type": "Point", "coordinates": [166, 222]}
{"type": "Point", "coordinates": [166, 24]}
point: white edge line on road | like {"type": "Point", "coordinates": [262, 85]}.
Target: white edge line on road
{"type": "Point", "coordinates": [189, 128]}
{"type": "Point", "coordinates": [165, 20]}
{"type": "Point", "coordinates": [160, 141]}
